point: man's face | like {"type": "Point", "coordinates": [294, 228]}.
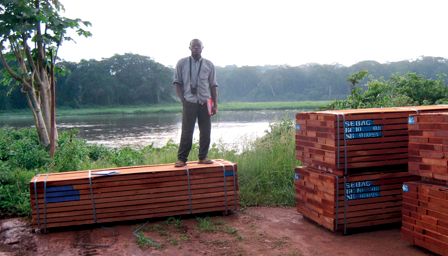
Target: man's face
{"type": "Point", "coordinates": [196, 47]}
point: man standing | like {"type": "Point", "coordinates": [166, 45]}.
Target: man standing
{"type": "Point", "coordinates": [195, 82]}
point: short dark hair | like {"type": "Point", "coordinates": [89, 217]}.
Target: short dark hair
{"type": "Point", "coordinates": [195, 40]}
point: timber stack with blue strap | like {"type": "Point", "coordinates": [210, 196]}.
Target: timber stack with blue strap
{"type": "Point", "coordinates": [132, 193]}
{"type": "Point", "coordinates": [353, 201]}
{"type": "Point", "coordinates": [425, 203]}
{"type": "Point", "coordinates": [340, 147]}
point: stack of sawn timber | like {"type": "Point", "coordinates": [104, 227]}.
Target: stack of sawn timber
{"type": "Point", "coordinates": [132, 193]}
{"type": "Point", "coordinates": [425, 203]}
{"type": "Point", "coordinates": [369, 199]}
{"type": "Point", "coordinates": [347, 141]}
{"type": "Point", "coordinates": [348, 148]}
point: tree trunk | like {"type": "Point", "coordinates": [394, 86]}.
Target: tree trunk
{"type": "Point", "coordinates": [41, 127]}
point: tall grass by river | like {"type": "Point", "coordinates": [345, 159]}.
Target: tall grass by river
{"type": "Point", "coordinates": [176, 107]}
{"type": "Point", "coordinates": [265, 166]}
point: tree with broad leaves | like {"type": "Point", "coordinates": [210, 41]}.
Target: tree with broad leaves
{"type": "Point", "coordinates": [31, 32]}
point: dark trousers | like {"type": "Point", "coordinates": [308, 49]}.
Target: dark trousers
{"type": "Point", "coordinates": [190, 112]}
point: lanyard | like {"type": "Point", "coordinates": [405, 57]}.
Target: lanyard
{"type": "Point", "coordinates": [199, 71]}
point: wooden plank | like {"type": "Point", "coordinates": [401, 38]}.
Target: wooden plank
{"type": "Point", "coordinates": [145, 188]}
{"type": "Point", "coordinates": [134, 193]}
{"type": "Point", "coordinates": [320, 139]}
{"type": "Point", "coordinates": [426, 218]}
{"type": "Point", "coordinates": [317, 192]}
{"type": "Point", "coordinates": [139, 209]}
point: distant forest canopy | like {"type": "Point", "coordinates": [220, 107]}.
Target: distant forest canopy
{"type": "Point", "coordinates": [132, 79]}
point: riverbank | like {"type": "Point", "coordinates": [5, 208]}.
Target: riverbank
{"type": "Point", "coordinates": [176, 107]}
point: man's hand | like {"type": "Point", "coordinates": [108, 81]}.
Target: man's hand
{"type": "Point", "coordinates": [179, 92]}
{"type": "Point", "coordinates": [214, 110]}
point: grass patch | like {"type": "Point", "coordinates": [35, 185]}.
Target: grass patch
{"type": "Point", "coordinates": [173, 241]}
{"type": "Point", "coordinates": [177, 222]}
{"type": "Point", "coordinates": [272, 105]}
{"type": "Point", "coordinates": [219, 243]}
{"type": "Point", "coordinates": [208, 225]}
{"type": "Point", "coordinates": [174, 107]}
{"type": "Point", "coordinates": [267, 168]}
{"type": "Point", "coordinates": [144, 241]}
{"type": "Point", "coordinates": [171, 231]}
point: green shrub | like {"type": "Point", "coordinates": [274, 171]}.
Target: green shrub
{"type": "Point", "coordinates": [398, 91]}
{"type": "Point", "coordinates": [21, 148]}
{"type": "Point", "coordinates": [127, 157]}
{"type": "Point", "coordinates": [15, 192]}
{"type": "Point", "coordinates": [97, 152]}
{"type": "Point", "coordinates": [71, 152]}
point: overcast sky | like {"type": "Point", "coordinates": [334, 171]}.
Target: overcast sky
{"type": "Point", "coordinates": [275, 32]}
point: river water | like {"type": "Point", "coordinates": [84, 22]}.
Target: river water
{"type": "Point", "coordinates": [229, 128]}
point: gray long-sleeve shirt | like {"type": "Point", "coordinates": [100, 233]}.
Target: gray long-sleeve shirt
{"type": "Point", "coordinates": [206, 80]}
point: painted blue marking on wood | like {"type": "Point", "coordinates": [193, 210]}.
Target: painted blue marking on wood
{"type": "Point", "coordinates": [364, 129]}
{"type": "Point", "coordinates": [62, 199]}
{"type": "Point", "coordinates": [359, 123]}
{"type": "Point", "coordinates": [411, 120]}
{"type": "Point", "coordinates": [363, 135]}
{"type": "Point", "coordinates": [296, 176]}
{"type": "Point", "coordinates": [298, 127]}
{"type": "Point", "coordinates": [229, 173]}
{"type": "Point", "coordinates": [359, 184]}
{"type": "Point", "coordinates": [362, 195]}
{"type": "Point", "coordinates": [405, 188]}
{"type": "Point", "coordinates": [63, 193]}
{"type": "Point", "coordinates": [60, 188]}
{"type": "Point", "coordinates": [363, 190]}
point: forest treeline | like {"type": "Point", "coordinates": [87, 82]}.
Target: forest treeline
{"type": "Point", "coordinates": [132, 79]}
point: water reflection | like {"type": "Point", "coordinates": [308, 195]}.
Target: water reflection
{"type": "Point", "coordinates": [229, 127]}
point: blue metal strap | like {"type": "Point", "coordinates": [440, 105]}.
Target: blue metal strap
{"type": "Point", "coordinates": [345, 146]}
{"type": "Point", "coordinates": [345, 206]}
{"type": "Point", "coordinates": [37, 203]}
{"type": "Point", "coordinates": [91, 195]}
{"type": "Point", "coordinates": [234, 180]}
{"type": "Point", "coordinates": [189, 189]}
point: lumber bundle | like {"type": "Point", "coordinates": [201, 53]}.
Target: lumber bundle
{"type": "Point", "coordinates": [132, 193]}
{"type": "Point", "coordinates": [356, 200]}
{"type": "Point", "coordinates": [425, 216]}
{"type": "Point", "coordinates": [349, 141]}
{"type": "Point", "coordinates": [428, 145]}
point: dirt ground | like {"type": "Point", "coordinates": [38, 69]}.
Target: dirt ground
{"type": "Point", "coordinates": [253, 231]}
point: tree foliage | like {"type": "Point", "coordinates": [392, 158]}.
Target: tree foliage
{"type": "Point", "coordinates": [30, 35]}
{"type": "Point", "coordinates": [142, 79]}
{"type": "Point", "coordinates": [131, 79]}
{"type": "Point", "coordinates": [398, 91]}
{"type": "Point", "coordinates": [120, 80]}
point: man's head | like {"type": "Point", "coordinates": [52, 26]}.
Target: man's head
{"type": "Point", "coordinates": [196, 47]}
